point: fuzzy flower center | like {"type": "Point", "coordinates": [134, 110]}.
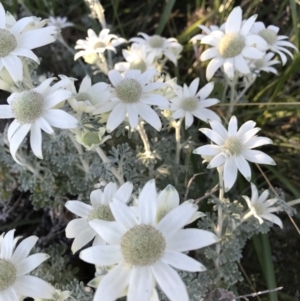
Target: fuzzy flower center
{"type": "Point", "coordinates": [189, 104]}
{"type": "Point", "coordinates": [90, 138]}
{"type": "Point", "coordinates": [129, 91]}
{"type": "Point", "coordinates": [8, 274]}
{"type": "Point", "coordinates": [156, 41]}
{"type": "Point", "coordinates": [269, 35]}
{"type": "Point", "coordinates": [8, 42]}
{"type": "Point", "coordinates": [101, 212]}
{"type": "Point", "coordinates": [98, 45]}
{"type": "Point", "coordinates": [259, 63]}
{"type": "Point", "coordinates": [82, 96]}
{"type": "Point", "coordinates": [233, 146]}
{"type": "Point", "coordinates": [231, 45]}
{"type": "Point", "coordinates": [142, 245]}
{"type": "Point", "coordinates": [258, 208]}
{"type": "Point", "coordinates": [28, 106]}
{"type": "Point", "coordinates": [139, 65]}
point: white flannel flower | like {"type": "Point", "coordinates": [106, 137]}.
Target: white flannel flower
{"type": "Point", "coordinates": [89, 96]}
{"type": "Point", "coordinates": [233, 147]}
{"type": "Point", "coordinates": [15, 42]}
{"type": "Point", "coordinates": [97, 44]}
{"type": "Point", "coordinates": [137, 58]}
{"type": "Point", "coordinates": [59, 22]}
{"type": "Point", "coordinates": [79, 228]}
{"type": "Point", "coordinates": [275, 42]}
{"type": "Point", "coordinates": [34, 111]}
{"type": "Point", "coordinates": [133, 95]}
{"type": "Point", "coordinates": [158, 46]}
{"type": "Point", "coordinates": [261, 207]}
{"type": "Point", "coordinates": [145, 252]}
{"type": "Point", "coordinates": [265, 64]}
{"type": "Point", "coordinates": [233, 47]}
{"type": "Point", "coordinates": [189, 103]}
{"type": "Point", "coordinates": [15, 264]}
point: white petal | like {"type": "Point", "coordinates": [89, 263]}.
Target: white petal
{"type": "Point", "coordinates": [252, 53]}
{"type": "Point", "coordinates": [5, 111]}
{"type": "Point", "coordinates": [230, 173]}
{"type": "Point", "coordinates": [156, 100]}
{"type": "Point", "coordinates": [147, 204]}
{"type": "Point", "coordinates": [133, 117]}
{"type": "Point", "coordinates": [44, 125]}
{"type": "Point", "coordinates": [85, 84]}
{"type": "Point", "coordinates": [30, 263]}
{"type": "Point", "coordinates": [241, 65]}
{"type": "Point", "coordinates": [208, 114]}
{"type": "Point", "coordinates": [12, 129]}
{"type": "Point", "coordinates": [83, 238]}
{"type": "Point", "coordinates": [189, 119]}
{"type": "Point", "coordinates": [56, 97]}
{"type": "Point", "coordinates": [207, 150]}
{"type": "Point", "coordinates": [168, 199]}
{"type": "Point", "coordinates": [234, 21]}
{"type": "Point", "coordinates": [79, 208]}
{"type": "Point", "coordinates": [102, 255]}
{"type": "Point", "coordinates": [182, 262]}
{"type": "Point", "coordinates": [229, 67]}
{"type": "Point", "coordinates": [44, 85]}
{"type": "Point", "coordinates": [257, 141]}
{"type": "Point", "coordinates": [2, 19]}
{"type": "Point", "coordinates": [243, 167]}
{"type": "Point", "coordinates": [33, 287]}
{"type": "Point", "coordinates": [249, 125]}
{"type": "Point", "coordinates": [24, 248]}
{"type": "Point", "coordinates": [190, 239]}
{"type": "Point", "coordinates": [149, 115]}
{"type": "Point", "coordinates": [36, 140]}
{"type": "Point", "coordinates": [103, 108]}
{"type": "Point", "coordinates": [115, 77]}
{"type": "Point", "coordinates": [176, 219]}
{"type": "Point", "coordinates": [259, 157]}
{"type": "Point", "coordinates": [213, 136]}
{"type": "Point", "coordinates": [60, 119]}
{"type": "Point", "coordinates": [170, 282]}
{"type": "Point", "coordinates": [123, 215]}
{"type": "Point", "coordinates": [178, 114]}
{"type": "Point", "coordinates": [141, 284]}
{"type": "Point", "coordinates": [7, 245]}
{"type": "Point", "coordinates": [124, 192]}
{"type": "Point", "coordinates": [26, 53]}
{"type": "Point", "coordinates": [213, 66]}
{"type": "Point", "coordinates": [249, 135]}
{"type": "Point", "coordinates": [209, 54]}
{"type": "Point", "coordinates": [133, 74]}
{"type": "Point", "coordinates": [194, 86]}
{"type": "Point", "coordinates": [116, 117]}
{"type": "Point", "coordinates": [111, 232]}
{"type": "Point", "coordinates": [146, 76]}
{"type": "Point", "coordinates": [9, 294]}
{"type": "Point", "coordinates": [254, 193]}
{"type": "Point", "coordinates": [219, 128]}
{"type": "Point", "coordinates": [217, 161]}
{"type": "Point", "coordinates": [263, 197]}
{"type": "Point", "coordinates": [246, 27]}
{"type": "Point", "coordinates": [76, 226]}
{"type": "Point", "coordinates": [232, 126]}
{"type": "Point", "coordinates": [14, 67]}
{"type": "Point", "coordinates": [109, 192]}
{"type": "Point", "coordinates": [113, 284]}
{"type": "Point", "coordinates": [272, 218]}
{"type": "Point", "coordinates": [96, 197]}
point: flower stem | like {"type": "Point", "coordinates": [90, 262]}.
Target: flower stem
{"type": "Point", "coordinates": [177, 138]}
{"type": "Point", "coordinates": [113, 170]}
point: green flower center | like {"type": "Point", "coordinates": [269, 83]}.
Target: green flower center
{"type": "Point", "coordinates": [233, 146]}
{"type": "Point", "coordinates": [259, 63]}
{"type": "Point", "coordinates": [142, 245]}
{"type": "Point", "coordinates": [8, 42]}
{"type": "Point", "coordinates": [189, 104]}
{"type": "Point", "coordinates": [28, 106]}
{"type": "Point", "coordinates": [139, 65]}
{"type": "Point", "coordinates": [82, 96]}
{"type": "Point", "coordinates": [8, 274]}
{"type": "Point", "coordinates": [231, 45]}
{"type": "Point", "coordinates": [156, 41]}
{"type": "Point", "coordinates": [269, 35]}
{"type": "Point", "coordinates": [101, 212]}
{"type": "Point", "coordinates": [129, 91]}
{"type": "Point", "coordinates": [99, 44]}
{"type": "Point", "coordinates": [90, 138]}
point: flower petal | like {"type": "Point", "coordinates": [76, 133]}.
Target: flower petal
{"type": "Point", "coordinates": [243, 167]}
{"type": "Point", "coordinates": [109, 192]}
{"type": "Point", "coordinates": [96, 197]}
{"type": "Point", "coordinates": [6, 112]}
{"type": "Point", "coordinates": [124, 192]}
{"type": "Point", "coordinates": [83, 238]}
{"type": "Point", "coordinates": [213, 136]}
{"type": "Point", "coordinates": [149, 115]}
{"type": "Point", "coordinates": [208, 150]}
{"type": "Point", "coordinates": [30, 263]}
{"type": "Point", "coordinates": [259, 157]}
{"type": "Point", "coordinates": [60, 119]}
{"type": "Point", "coordinates": [230, 173]}
{"type": "Point", "coordinates": [76, 226]}
{"type": "Point", "coordinates": [24, 248]}
{"type": "Point", "coordinates": [234, 21]}
{"type": "Point", "coordinates": [116, 117]}
{"type": "Point", "coordinates": [36, 140]}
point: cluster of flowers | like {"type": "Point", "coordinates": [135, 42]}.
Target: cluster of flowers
{"type": "Point", "coordinates": [140, 244]}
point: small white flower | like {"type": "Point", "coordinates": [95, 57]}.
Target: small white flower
{"type": "Point", "coordinates": [137, 58]}
{"type": "Point", "coordinates": [275, 42]}
{"type": "Point", "coordinates": [189, 103]}
{"type": "Point", "coordinates": [145, 252]}
{"type": "Point", "coordinates": [79, 228]}
{"type": "Point", "coordinates": [15, 264]}
{"type": "Point", "coordinates": [158, 46]}
{"type": "Point", "coordinates": [34, 111]}
{"type": "Point", "coordinates": [132, 95]}
{"type": "Point", "coordinates": [232, 47]}
{"type": "Point", "coordinates": [265, 64]}
{"type": "Point", "coordinates": [233, 147]}
{"type": "Point", "coordinates": [89, 96]}
{"type": "Point", "coordinates": [59, 22]}
{"type": "Point", "coordinates": [16, 43]}
{"type": "Point", "coordinates": [97, 44]}
{"type": "Point", "coordinates": [261, 207]}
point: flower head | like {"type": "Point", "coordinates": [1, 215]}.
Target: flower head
{"type": "Point", "coordinates": [59, 22]}
{"type": "Point", "coordinates": [158, 46]}
{"type": "Point", "coordinates": [275, 42]}
{"type": "Point", "coordinates": [189, 103]}
{"type": "Point", "coordinates": [233, 148]}
{"type": "Point", "coordinates": [261, 207]}
{"type": "Point", "coordinates": [233, 46]}
{"type": "Point", "coordinates": [34, 111]}
{"type": "Point", "coordinates": [97, 44]}
{"type": "Point", "coordinates": [132, 95]}
{"type": "Point", "coordinates": [145, 252]}
{"type": "Point", "coordinates": [15, 264]}
{"type": "Point", "coordinates": [99, 209]}
{"type": "Point", "coordinates": [16, 42]}
{"type": "Point", "coordinates": [91, 139]}
{"type": "Point", "coordinates": [265, 64]}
